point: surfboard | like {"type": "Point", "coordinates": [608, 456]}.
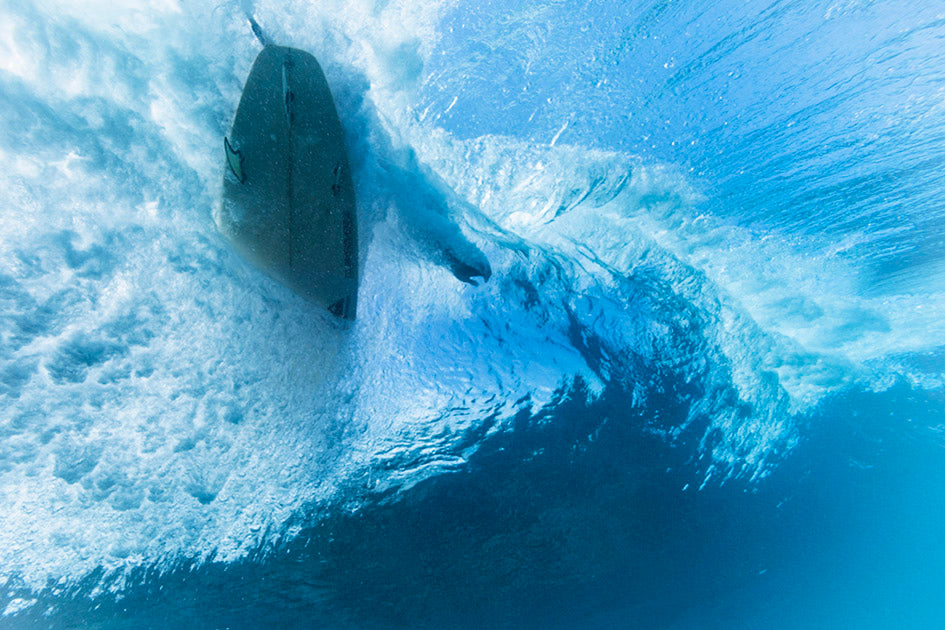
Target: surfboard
{"type": "Point", "coordinates": [288, 198]}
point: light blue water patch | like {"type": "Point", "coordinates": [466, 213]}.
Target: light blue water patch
{"type": "Point", "coordinates": [842, 96]}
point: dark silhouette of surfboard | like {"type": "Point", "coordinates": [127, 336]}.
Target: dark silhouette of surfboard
{"type": "Point", "coordinates": [288, 198]}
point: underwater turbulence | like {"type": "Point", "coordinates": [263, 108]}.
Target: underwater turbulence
{"type": "Point", "coordinates": [523, 314]}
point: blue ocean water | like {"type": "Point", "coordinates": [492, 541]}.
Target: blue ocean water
{"type": "Point", "coordinates": [704, 387]}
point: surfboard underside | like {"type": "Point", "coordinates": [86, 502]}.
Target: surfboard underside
{"type": "Point", "coordinates": [288, 198]}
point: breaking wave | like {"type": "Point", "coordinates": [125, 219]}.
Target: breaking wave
{"type": "Point", "coordinates": [163, 401]}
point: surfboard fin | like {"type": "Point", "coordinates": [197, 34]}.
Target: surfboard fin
{"type": "Point", "coordinates": [343, 308]}
{"type": "Point", "coordinates": [235, 159]}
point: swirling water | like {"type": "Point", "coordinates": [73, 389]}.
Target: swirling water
{"type": "Point", "coordinates": [703, 387]}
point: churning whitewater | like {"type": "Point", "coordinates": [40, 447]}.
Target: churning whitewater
{"type": "Point", "coordinates": [661, 209]}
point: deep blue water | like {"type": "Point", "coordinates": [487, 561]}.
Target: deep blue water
{"type": "Point", "coordinates": [702, 389]}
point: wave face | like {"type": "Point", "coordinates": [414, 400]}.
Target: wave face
{"type": "Point", "coordinates": [707, 367]}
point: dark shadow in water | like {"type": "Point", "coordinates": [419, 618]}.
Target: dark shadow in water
{"type": "Point", "coordinates": [577, 519]}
